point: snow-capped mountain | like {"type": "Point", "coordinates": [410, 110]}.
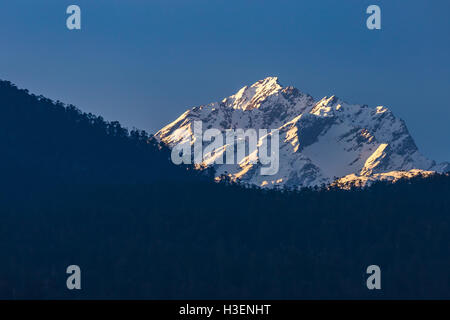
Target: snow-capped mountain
{"type": "Point", "coordinates": [319, 141]}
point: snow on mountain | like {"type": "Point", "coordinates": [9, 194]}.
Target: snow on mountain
{"type": "Point", "coordinates": [353, 180]}
{"type": "Point", "coordinates": [320, 141]}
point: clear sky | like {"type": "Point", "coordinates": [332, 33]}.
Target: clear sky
{"type": "Point", "coordinates": [143, 62]}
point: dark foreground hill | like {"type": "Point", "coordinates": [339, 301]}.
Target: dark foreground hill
{"type": "Point", "coordinates": [218, 241]}
{"type": "Point", "coordinates": [44, 142]}
{"type": "Point", "coordinates": [68, 199]}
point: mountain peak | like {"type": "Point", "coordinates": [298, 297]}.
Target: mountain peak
{"type": "Point", "coordinates": [248, 98]}
{"type": "Point", "coordinates": [267, 82]}
{"type": "Point", "coordinates": [320, 140]}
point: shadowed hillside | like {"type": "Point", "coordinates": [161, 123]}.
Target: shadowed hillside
{"type": "Point", "coordinates": [46, 142]}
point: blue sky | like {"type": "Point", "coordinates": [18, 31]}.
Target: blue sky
{"type": "Point", "coordinates": [144, 62]}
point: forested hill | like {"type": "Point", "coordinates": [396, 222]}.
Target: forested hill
{"type": "Point", "coordinates": [44, 142]}
{"type": "Point", "coordinates": [221, 241]}
{"type": "Point", "coordinates": [140, 227]}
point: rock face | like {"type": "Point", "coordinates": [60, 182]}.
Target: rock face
{"type": "Point", "coordinates": [319, 141]}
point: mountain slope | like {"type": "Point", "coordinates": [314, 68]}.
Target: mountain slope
{"type": "Point", "coordinates": [45, 142]}
{"type": "Point", "coordinates": [320, 141]}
